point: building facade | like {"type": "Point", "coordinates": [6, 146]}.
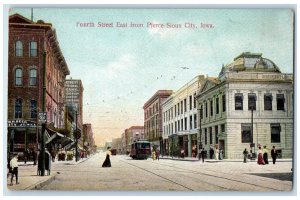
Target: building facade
{"type": "Point", "coordinates": [88, 142]}
{"type": "Point", "coordinates": [180, 120]}
{"type": "Point", "coordinates": [74, 98]}
{"type": "Point", "coordinates": [250, 104]}
{"type": "Point", "coordinates": [153, 118]}
{"type": "Point", "coordinates": [28, 41]}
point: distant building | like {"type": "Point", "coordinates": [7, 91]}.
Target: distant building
{"type": "Point", "coordinates": [116, 144]}
{"type": "Point", "coordinates": [130, 135]}
{"type": "Point", "coordinates": [153, 118]}
{"type": "Point", "coordinates": [88, 141]}
{"type": "Point", "coordinates": [249, 83]}
{"type": "Point", "coordinates": [180, 120]}
{"type": "Point", "coordinates": [74, 99]}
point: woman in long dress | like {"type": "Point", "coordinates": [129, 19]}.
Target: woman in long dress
{"type": "Point", "coordinates": [265, 155]}
{"type": "Point", "coordinates": [260, 159]}
{"type": "Point", "coordinates": [106, 162]}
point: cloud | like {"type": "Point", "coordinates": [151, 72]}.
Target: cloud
{"type": "Point", "coordinates": [120, 66]}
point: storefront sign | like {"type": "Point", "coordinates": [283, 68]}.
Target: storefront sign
{"type": "Point", "coordinates": [21, 123]}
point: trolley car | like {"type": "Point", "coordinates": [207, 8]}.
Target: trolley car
{"type": "Point", "coordinates": [140, 149]}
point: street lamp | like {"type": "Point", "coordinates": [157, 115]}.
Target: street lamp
{"type": "Point", "coordinates": [252, 106]}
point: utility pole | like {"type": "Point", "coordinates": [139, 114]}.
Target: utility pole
{"type": "Point", "coordinates": [76, 138]}
{"type": "Point", "coordinates": [44, 123]}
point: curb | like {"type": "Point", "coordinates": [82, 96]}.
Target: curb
{"type": "Point", "coordinates": [41, 184]}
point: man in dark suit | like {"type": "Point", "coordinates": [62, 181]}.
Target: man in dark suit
{"type": "Point", "coordinates": [274, 154]}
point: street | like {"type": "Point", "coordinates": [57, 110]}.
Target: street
{"type": "Point", "coordinates": [170, 175]}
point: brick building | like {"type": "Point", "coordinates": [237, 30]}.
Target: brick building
{"type": "Point", "coordinates": [28, 40]}
{"type": "Point", "coordinates": [153, 118]}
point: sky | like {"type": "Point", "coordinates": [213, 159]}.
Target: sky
{"type": "Point", "coordinates": [122, 67]}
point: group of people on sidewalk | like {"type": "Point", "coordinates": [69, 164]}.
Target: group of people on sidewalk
{"type": "Point", "coordinates": [262, 155]}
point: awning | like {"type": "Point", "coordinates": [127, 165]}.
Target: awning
{"type": "Point", "coordinates": [60, 139]}
{"type": "Point", "coordinates": [73, 145]}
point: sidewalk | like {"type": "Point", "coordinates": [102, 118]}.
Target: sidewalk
{"type": "Point", "coordinates": [192, 159]}
{"type": "Point", "coordinates": [28, 178]}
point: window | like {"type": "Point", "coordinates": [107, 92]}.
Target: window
{"type": "Point", "coordinates": [205, 135]}
{"type": "Point", "coordinates": [185, 123]}
{"type": "Point", "coordinates": [275, 133]}
{"type": "Point", "coordinates": [175, 126]}
{"type": "Point", "coordinates": [191, 102]}
{"type": "Point", "coordinates": [216, 132]}
{"type": "Point", "coordinates": [206, 109]}
{"type": "Point", "coordinates": [33, 109]}
{"type": "Point", "coordinates": [268, 101]}
{"type": "Point", "coordinates": [251, 101]}
{"type": "Point", "coordinates": [217, 105]}
{"type": "Point", "coordinates": [175, 111]}
{"type": "Point", "coordinates": [19, 48]}
{"type": "Point", "coordinates": [18, 108]}
{"type": "Point", "coordinates": [223, 128]}
{"type": "Point", "coordinates": [33, 49]}
{"type": "Point", "coordinates": [195, 99]}
{"type": "Point", "coordinates": [184, 105]}
{"type": "Point", "coordinates": [191, 121]}
{"type": "Point", "coordinates": [210, 135]}
{"type": "Point", "coordinates": [18, 76]}
{"type": "Point", "coordinates": [224, 102]}
{"type": "Point", "coordinates": [211, 107]}
{"type": "Point", "coordinates": [178, 109]}
{"type": "Point", "coordinates": [32, 80]}
{"type": "Point", "coordinates": [178, 125]}
{"type": "Point", "coordinates": [238, 101]}
{"type": "Point", "coordinates": [201, 112]}
{"type": "Point", "coordinates": [195, 121]}
{"type": "Point", "coordinates": [181, 107]}
{"type": "Point", "coordinates": [246, 133]}
{"type": "Point", "coordinates": [280, 101]}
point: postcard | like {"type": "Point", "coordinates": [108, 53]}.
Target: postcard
{"type": "Point", "coordinates": [150, 99]}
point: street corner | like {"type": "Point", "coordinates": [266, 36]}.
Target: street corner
{"type": "Point", "coordinates": [31, 182]}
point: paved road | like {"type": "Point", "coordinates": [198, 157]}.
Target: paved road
{"type": "Point", "coordinates": [170, 175]}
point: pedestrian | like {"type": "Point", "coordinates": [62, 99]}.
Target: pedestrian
{"type": "Point", "coordinates": [202, 154]}
{"type": "Point", "coordinates": [34, 156]}
{"type": "Point", "coordinates": [153, 155]}
{"type": "Point", "coordinates": [221, 154]}
{"type": "Point", "coordinates": [9, 169]}
{"type": "Point", "coordinates": [211, 152]}
{"type": "Point", "coordinates": [106, 162]}
{"type": "Point", "coordinates": [245, 153]}
{"type": "Point", "coordinates": [14, 168]}
{"type": "Point", "coordinates": [25, 155]}
{"type": "Point", "coordinates": [260, 159]}
{"type": "Point", "coordinates": [217, 154]}
{"type": "Point", "coordinates": [274, 154]}
{"type": "Point", "coordinates": [265, 155]}
{"type": "Point", "coordinates": [157, 154]}
{"type": "Point", "coordinates": [182, 153]}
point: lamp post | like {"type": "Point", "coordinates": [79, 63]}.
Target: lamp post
{"type": "Point", "coordinates": [76, 136]}
{"type": "Point", "coordinates": [42, 165]}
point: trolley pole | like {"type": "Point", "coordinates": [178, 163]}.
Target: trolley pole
{"type": "Point", "coordinates": [42, 150]}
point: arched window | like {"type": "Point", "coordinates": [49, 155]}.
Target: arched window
{"type": "Point", "coordinates": [32, 78]}
{"type": "Point", "coordinates": [18, 108]}
{"type": "Point", "coordinates": [19, 48]}
{"type": "Point", "coordinates": [33, 49]}
{"type": "Point", "coordinates": [18, 76]}
{"type": "Point", "coordinates": [33, 109]}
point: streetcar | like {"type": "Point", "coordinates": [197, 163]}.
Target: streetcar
{"type": "Point", "coordinates": [140, 149]}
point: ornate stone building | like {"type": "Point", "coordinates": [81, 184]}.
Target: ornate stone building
{"type": "Point", "coordinates": [249, 104]}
